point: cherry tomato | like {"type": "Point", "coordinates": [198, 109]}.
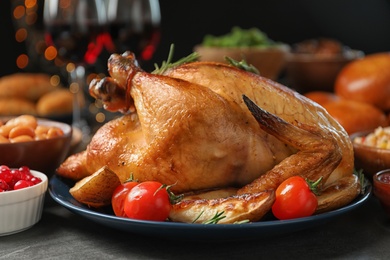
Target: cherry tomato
{"type": "Point", "coordinates": [148, 200]}
{"type": "Point", "coordinates": [294, 199]}
{"type": "Point", "coordinates": [119, 196]}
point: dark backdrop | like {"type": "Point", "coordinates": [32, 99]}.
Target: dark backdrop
{"type": "Point", "coordinates": [360, 24]}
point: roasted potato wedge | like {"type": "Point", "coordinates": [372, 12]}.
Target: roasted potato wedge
{"type": "Point", "coordinates": [96, 190]}
{"type": "Point", "coordinates": [236, 208]}
{"type": "Point", "coordinates": [339, 193]}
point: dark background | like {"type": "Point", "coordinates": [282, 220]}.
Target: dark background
{"type": "Point", "coordinates": [360, 24]}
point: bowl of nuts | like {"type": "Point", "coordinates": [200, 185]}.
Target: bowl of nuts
{"type": "Point", "coordinates": [22, 195]}
{"type": "Point", "coordinates": [37, 143]}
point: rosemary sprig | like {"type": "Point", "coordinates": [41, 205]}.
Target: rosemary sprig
{"type": "Point", "coordinates": [362, 179]}
{"type": "Point", "coordinates": [242, 65]}
{"type": "Point", "coordinates": [242, 221]}
{"type": "Point", "coordinates": [169, 64]}
{"type": "Point", "coordinates": [217, 217]}
{"type": "Point", "coordinates": [214, 220]}
{"type": "Point", "coordinates": [200, 214]}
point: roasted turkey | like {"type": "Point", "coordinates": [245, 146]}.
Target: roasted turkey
{"type": "Point", "coordinates": [221, 134]}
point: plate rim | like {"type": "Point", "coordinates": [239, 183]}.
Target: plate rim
{"type": "Point", "coordinates": [155, 226]}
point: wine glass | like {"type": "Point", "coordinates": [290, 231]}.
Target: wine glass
{"type": "Point", "coordinates": [72, 27]}
{"type": "Point", "coordinates": [133, 25]}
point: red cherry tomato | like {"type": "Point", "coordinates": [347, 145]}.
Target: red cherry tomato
{"type": "Point", "coordinates": [294, 199]}
{"type": "Point", "coordinates": [148, 200]}
{"type": "Point", "coordinates": [119, 196]}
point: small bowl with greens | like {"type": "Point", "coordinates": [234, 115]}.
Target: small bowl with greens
{"type": "Point", "coordinates": [250, 45]}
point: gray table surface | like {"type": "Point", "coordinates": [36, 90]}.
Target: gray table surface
{"type": "Point", "coordinates": [363, 233]}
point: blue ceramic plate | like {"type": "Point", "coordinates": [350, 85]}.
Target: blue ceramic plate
{"type": "Point", "coordinates": [59, 191]}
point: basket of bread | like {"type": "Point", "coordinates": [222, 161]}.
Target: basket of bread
{"type": "Point", "coordinates": [33, 94]}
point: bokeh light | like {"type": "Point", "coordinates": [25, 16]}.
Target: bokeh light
{"type": "Point", "coordinates": [70, 67]}
{"type": "Point", "coordinates": [74, 87]}
{"type": "Point", "coordinates": [19, 12]}
{"type": "Point", "coordinates": [30, 3]}
{"type": "Point", "coordinates": [50, 53]}
{"type": "Point", "coordinates": [31, 18]}
{"type": "Point", "coordinates": [100, 117]}
{"type": "Point", "coordinates": [55, 80]}
{"type": "Point", "coordinates": [40, 47]}
{"type": "Point", "coordinates": [22, 61]}
{"type": "Point", "coordinates": [21, 35]}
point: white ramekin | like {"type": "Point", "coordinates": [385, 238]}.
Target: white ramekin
{"type": "Point", "coordinates": [21, 209]}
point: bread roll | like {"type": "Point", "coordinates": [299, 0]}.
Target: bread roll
{"type": "Point", "coordinates": [356, 116]}
{"type": "Point", "coordinates": [58, 102]}
{"type": "Point", "coordinates": [366, 80]}
{"type": "Point", "coordinates": [16, 106]}
{"type": "Point", "coordinates": [28, 86]}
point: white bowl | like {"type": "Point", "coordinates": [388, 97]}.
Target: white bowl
{"type": "Point", "coordinates": [21, 209]}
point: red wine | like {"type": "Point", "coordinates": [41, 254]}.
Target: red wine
{"type": "Point", "coordinates": [75, 43]}
{"type": "Point", "coordinates": [142, 43]}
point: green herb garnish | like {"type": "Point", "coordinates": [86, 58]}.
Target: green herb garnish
{"type": "Point", "coordinates": [214, 220]}
{"type": "Point", "coordinates": [243, 65]}
{"type": "Point", "coordinates": [239, 37]}
{"type": "Point", "coordinates": [169, 64]}
{"type": "Point", "coordinates": [362, 179]}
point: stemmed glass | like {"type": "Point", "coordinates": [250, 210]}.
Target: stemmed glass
{"type": "Point", "coordinates": [72, 27]}
{"type": "Point", "coordinates": [133, 25]}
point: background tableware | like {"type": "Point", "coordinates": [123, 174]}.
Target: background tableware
{"type": "Point", "coordinates": [381, 181]}
{"type": "Point", "coordinates": [269, 61]}
{"type": "Point", "coordinates": [42, 155]}
{"type": "Point", "coordinates": [73, 29]}
{"type": "Point", "coordinates": [21, 209]}
{"type": "Point", "coordinates": [269, 227]}
{"type": "Point", "coordinates": [310, 72]}
{"type": "Point", "coordinates": [370, 159]}
{"type": "Point", "coordinates": [134, 25]}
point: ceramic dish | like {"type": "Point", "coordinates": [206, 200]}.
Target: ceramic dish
{"type": "Point", "coordinates": [313, 72]}
{"type": "Point", "coordinates": [21, 209]}
{"type": "Point", "coordinates": [269, 61]}
{"type": "Point", "coordinates": [42, 155]}
{"type": "Point", "coordinates": [59, 191]}
{"type": "Point", "coordinates": [369, 158]}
